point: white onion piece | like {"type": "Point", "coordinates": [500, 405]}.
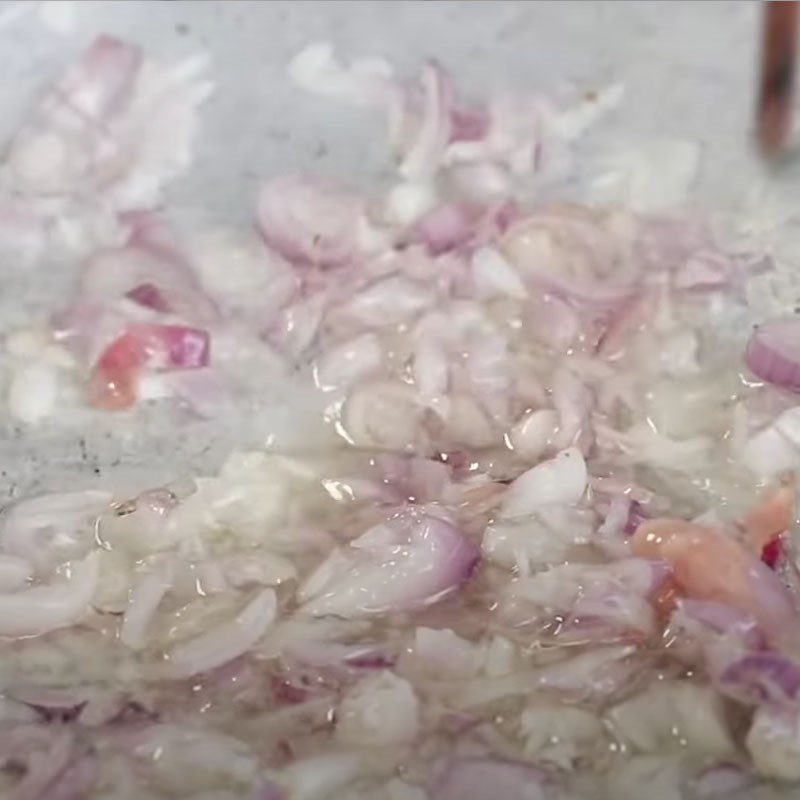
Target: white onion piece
{"type": "Point", "coordinates": [146, 113]}
{"type": "Point", "coordinates": [383, 414]}
{"type": "Point", "coordinates": [448, 227]}
{"type": "Point", "coordinates": [159, 128]}
{"type": "Point", "coordinates": [556, 322]}
{"type": "Point", "coordinates": [493, 275]}
{"type": "Point", "coordinates": [674, 714]}
{"type": "Point", "coordinates": [512, 139]}
{"type": "Point", "coordinates": [655, 176]}
{"type": "Point", "coordinates": [608, 617]}
{"type": "Point", "coordinates": [571, 253]}
{"type": "Point", "coordinates": [33, 391]}
{"type": "Point", "coordinates": [348, 362]}
{"type": "Point", "coordinates": [705, 269]}
{"type": "Point", "coordinates": [775, 449]}
{"type": "Point", "coordinates": [47, 155]}
{"type": "Point", "coordinates": [100, 83]}
{"type": "Point", "coordinates": [442, 651]}
{"type": "Point", "coordinates": [467, 422]}
{"type": "Point", "coordinates": [15, 572]}
{"type": "Point", "coordinates": [573, 402]}
{"type": "Point", "coordinates": [479, 182]}
{"type": "Point", "coordinates": [600, 671]}
{"type": "Point", "coordinates": [560, 481]}
{"type": "Point", "coordinates": [264, 568]}
{"type": "Point", "coordinates": [255, 283]}
{"type": "Point", "coordinates": [387, 302]}
{"type": "Point", "coordinates": [560, 734]}
{"type": "Point", "coordinates": [769, 452]}
{"type": "Point", "coordinates": [205, 390]}
{"type": "Point", "coordinates": [572, 122]}
{"type": "Point", "coordinates": [424, 154]}
{"type": "Point", "coordinates": [534, 433]}
{"type": "Point", "coordinates": [537, 539]}
{"type": "Point", "coordinates": [408, 562]}
{"type": "Point", "coordinates": [317, 777]}
{"type": "Point", "coordinates": [250, 501]}
{"type": "Point", "coordinates": [309, 220]}
{"type": "Point", "coordinates": [299, 323]}
{"type": "Point", "coordinates": [49, 530]}
{"type": "Point", "coordinates": [144, 601]}
{"type": "Point", "coordinates": [606, 599]}
{"type": "Point", "coordinates": [431, 373]}
{"type": "Point", "coordinates": [188, 759]}
{"type": "Point", "coordinates": [47, 607]}
{"type": "Point", "coordinates": [774, 742]}
{"type": "Point", "coordinates": [773, 353]}
{"type": "Point", "coordinates": [408, 201]}
{"type": "Point", "coordinates": [488, 368]}
{"type": "Point", "coordinates": [116, 274]}
{"type": "Point", "coordinates": [142, 528]}
{"type": "Point", "coordinates": [787, 425]}
{"type": "Point", "coordinates": [678, 355]}
{"type": "Point", "coordinates": [316, 69]}
{"type": "Point", "coordinates": [227, 641]}
{"type": "Point", "coordinates": [379, 711]}
{"type": "Point", "coordinates": [23, 235]}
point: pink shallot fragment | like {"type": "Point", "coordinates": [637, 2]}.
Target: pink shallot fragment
{"type": "Point", "coordinates": [101, 82]}
{"type": "Point", "coordinates": [468, 124]}
{"type": "Point", "coordinates": [309, 221]}
{"type": "Point", "coordinates": [463, 226]}
{"type": "Point", "coordinates": [151, 269]}
{"type": "Point", "coordinates": [423, 149]}
{"type": "Point", "coordinates": [66, 142]}
{"type": "Point", "coordinates": [762, 677]}
{"type": "Point", "coordinates": [115, 377]}
{"type": "Point", "coordinates": [709, 565]}
{"type": "Point", "coordinates": [447, 227]}
{"type": "Point", "coordinates": [412, 560]}
{"type": "Point", "coordinates": [773, 353]}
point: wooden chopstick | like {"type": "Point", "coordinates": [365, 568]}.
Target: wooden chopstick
{"type": "Point", "coordinates": [777, 79]}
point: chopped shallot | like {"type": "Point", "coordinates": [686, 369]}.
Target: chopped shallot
{"type": "Point", "coordinates": [532, 534]}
